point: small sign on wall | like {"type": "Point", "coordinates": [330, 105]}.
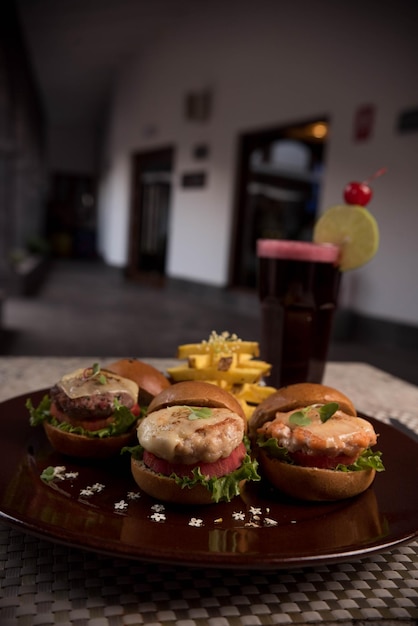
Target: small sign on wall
{"type": "Point", "coordinates": [193, 180]}
{"type": "Point", "coordinates": [201, 151]}
{"type": "Point", "coordinates": [198, 105]}
{"type": "Point", "coordinates": [364, 122]}
{"type": "Point", "coordinates": [408, 121]}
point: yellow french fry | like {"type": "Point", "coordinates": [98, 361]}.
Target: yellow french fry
{"type": "Point", "coordinates": [248, 410]}
{"type": "Point", "coordinates": [199, 361]}
{"type": "Point", "coordinates": [220, 383]}
{"type": "Point", "coordinates": [228, 347]}
{"type": "Point", "coordinates": [223, 362]}
{"type": "Point", "coordinates": [235, 376]}
{"type": "Point", "coordinates": [254, 394]}
{"type": "Point", "coordinates": [263, 366]}
{"type": "Point", "coordinates": [244, 357]}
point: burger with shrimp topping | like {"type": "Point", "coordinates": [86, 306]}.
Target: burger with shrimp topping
{"type": "Point", "coordinates": [311, 444]}
{"type": "Point", "coordinates": [192, 446]}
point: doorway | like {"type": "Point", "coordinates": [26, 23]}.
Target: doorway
{"type": "Point", "coordinates": [71, 216]}
{"type": "Point", "coordinates": [278, 182]}
{"type": "Point", "coordinates": [150, 207]}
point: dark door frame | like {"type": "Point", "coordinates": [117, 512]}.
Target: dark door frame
{"type": "Point", "coordinates": [141, 162]}
{"type": "Point", "coordinates": [247, 142]}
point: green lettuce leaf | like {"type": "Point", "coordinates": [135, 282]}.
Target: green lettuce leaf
{"type": "Point", "coordinates": [273, 449]}
{"type": "Point", "coordinates": [369, 459]}
{"type": "Point", "coordinates": [41, 412]}
{"type": "Point", "coordinates": [223, 488]}
{"type": "Point", "coordinates": [137, 452]}
{"type": "Point", "coordinates": [124, 420]}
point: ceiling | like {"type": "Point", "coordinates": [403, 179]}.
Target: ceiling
{"type": "Point", "coordinates": [77, 47]}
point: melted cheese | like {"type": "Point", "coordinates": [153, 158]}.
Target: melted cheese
{"type": "Point", "coordinates": [77, 384]}
{"type": "Point", "coordinates": [171, 435]}
{"type": "Point", "coordinates": [340, 433]}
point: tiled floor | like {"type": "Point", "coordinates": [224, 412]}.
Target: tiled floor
{"type": "Point", "coordinates": [87, 308]}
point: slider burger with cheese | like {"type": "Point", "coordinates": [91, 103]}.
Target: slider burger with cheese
{"type": "Point", "coordinates": [311, 444]}
{"type": "Point", "coordinates": [192, 446]}
{"type": "Point", "coordinates": [93, 412]}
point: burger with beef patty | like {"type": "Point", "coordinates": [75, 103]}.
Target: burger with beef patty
{"type": "Point", "coordinates": [312, 445]}
{"type": "Point", "coordinates": [192, 446]}
{"type": "Point", "coordinates": [93, 412]}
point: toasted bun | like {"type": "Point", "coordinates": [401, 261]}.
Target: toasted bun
{"type": "Point", "coordinates": [189, 393]}
{"type": "Point", "coordinates": [294, 397]}
{"type": "Point", "coordinates": [81, 446]}
{"type": "Point", "coordinates": [311, 483]}
{"type": "Point", "coordinates": [307, 483]}
{"type": "Point", "coordinates": [165, 488]}
{"type": "Point", "coordinates": [149, 380]}
{"type": "Point", "coordinates": [197, 393]}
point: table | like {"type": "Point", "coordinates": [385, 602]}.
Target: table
{"type": "Point", "coordinates": [46, 583]}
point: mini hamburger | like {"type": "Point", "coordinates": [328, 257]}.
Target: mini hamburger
{"type": "Point", "coordinates": [311, 444]}
{"type": "Point", "coordinates": [150, 381]}
{"type": "Point", "coordinates": [93, 412]}
{"type": "Point", "coordinates": [192, 446]}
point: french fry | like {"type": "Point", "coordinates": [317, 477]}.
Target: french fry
{"type": "Point", "coordinates": [254, 393]}
{"type": "Point", "coordinates": [262, 366]}
{"type": "Point", "coordinates": [199, 361]}
{"type": "Point", "coordinates": [248, 410]}
{"type": "Point", "coordinates": [219, 344]}
{"type": "Point", "coordinates": [234, 376]}
{"type": "Point", "coordinates": [228, 362]}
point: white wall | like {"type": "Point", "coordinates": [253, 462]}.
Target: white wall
{"type": "Point", "coordinates": [269, 64]}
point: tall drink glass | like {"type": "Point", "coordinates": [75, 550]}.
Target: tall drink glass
{"type": "Point", "coordinates": [298, 286]}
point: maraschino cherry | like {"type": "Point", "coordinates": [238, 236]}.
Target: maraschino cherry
{"type": "Point", "coordinates": [361, 193]}
{"type": "Point", "coordinates": [357, 193]}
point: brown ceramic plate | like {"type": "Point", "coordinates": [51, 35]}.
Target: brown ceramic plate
{"type": "Point", "coordinates": [98, 508]}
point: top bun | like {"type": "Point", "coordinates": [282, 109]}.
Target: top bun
{"type": "Point", "coordinates": [197, 393]}
{"type": "Point", "coordinates": [149, 380]}
{"type": "Point", "coordinates": [295, 397]}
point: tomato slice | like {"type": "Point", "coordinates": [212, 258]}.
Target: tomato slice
{"type": "Point", "coordinates": [221, 467]}
{"type": "Point", "coordinates": [321, 461]}
{"type": "Point", "coordinates": [90, 424]}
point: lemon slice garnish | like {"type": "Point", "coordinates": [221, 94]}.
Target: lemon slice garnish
{"type": "Point", "coordinates": [354, 229]}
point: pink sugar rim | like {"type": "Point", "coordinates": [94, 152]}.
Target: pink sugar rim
{"type": "Point", "coordinates": [297, 250]}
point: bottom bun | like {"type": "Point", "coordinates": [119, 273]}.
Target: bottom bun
{"type": "Point", "coordinates": [165, 488]}
{"type": "Point", "coordinates": [84, 447]}
{"type": "Point", "coordinates": [314, 484]}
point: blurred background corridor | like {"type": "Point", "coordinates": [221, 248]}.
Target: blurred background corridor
{"type": "Point", "coordinates": [145, 146]}
{"type": "Point", "coordinates": [89, 309]}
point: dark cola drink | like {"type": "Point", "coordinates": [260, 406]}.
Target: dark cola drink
{"type": "Point", "coordinates": [298, 286]}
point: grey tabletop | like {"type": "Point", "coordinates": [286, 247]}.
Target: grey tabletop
{"type": "Point", "coordinates": [44, 582]}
